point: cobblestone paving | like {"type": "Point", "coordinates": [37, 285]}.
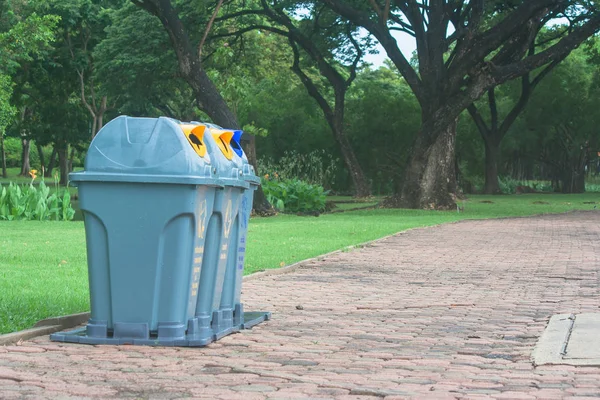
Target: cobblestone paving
{"type": "Point", "coordinates": [447, 312]}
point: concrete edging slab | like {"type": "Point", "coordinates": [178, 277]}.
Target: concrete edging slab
{"type": "Point", "coordinates": [45, 327]}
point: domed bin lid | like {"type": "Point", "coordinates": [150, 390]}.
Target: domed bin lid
{"type": "Point", "coordinates": [150, 150]}
{"type": "Point", "coordinates": [229, 142]}
{"type": "Point", "coordinates": [224, 155]}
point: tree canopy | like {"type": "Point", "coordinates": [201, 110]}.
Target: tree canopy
{"type": "Point", "coordinates": [495, 90]}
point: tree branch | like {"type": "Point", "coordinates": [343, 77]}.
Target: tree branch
{"type": "Point", "coordinates": [208, 28]}
{"type": "Point", "coordinates": [479, 121]}
{"type": "Point", "coordinates": [493, 108]}
{"type": "Point", "coordinates": [239, 14]}
{"type": "Point", "coordinates": [384, 37]}
{"type": "Point", "coordinates": [559, 50]}
{"type": "Point", "coordinates": [357, 58]}
{"type": "Point", "coordinates": [475, 48]}
{"type": "Point", "coordinates": [310, 86]}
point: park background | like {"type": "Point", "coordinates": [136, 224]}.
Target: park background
{"type": "Point", "coordinates": [68, 67]}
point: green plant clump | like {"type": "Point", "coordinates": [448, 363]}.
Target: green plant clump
{"type": "Point", "coordinates": [27, 202]}
{"type": "Point", "coordinates": [317, 167]}
{"type": "Point", "coordinates": [294, 195]}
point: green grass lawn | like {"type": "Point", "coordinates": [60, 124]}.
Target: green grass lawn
{"type": "Point", "coordinates": [43, 268]}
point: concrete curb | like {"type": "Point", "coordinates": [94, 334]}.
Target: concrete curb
{"type": "Point", "coordinates": [45, 327]}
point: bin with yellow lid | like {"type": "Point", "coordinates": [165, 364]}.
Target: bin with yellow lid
{"type": "Point", "coordinates": [230, 215]}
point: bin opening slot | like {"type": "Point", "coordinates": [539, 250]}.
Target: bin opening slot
{"type": "Point", "coordinates": [223, 140]}
{"type": "Point", "coordinates": [195, 136]}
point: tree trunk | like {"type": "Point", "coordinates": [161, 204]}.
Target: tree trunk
{"type": "Point", "coordinates": [573, 180]}
{"type": "Point", "coordinates": [430, 178]}
{"type": "Point", "coordinates": [492, 152]}
{"type": "Point", "coordinates": [71, 156]}
{"type": "Point", "coordinates": [260, 204]}
{"type": "Point", "coordinates": [63, 162]}
{"type": "Point", "coordinates": [207, 96]}
{"type": "Point", "coordinates": [210, 101]}
{"type": "Point", "coordinates": [51, 163]}
{"type": "Point", "coordinates": [25, 165]}
{"type": "Point", "coordinates": [40, 151]}
{"type": "Point", "coordinates": [3, 156]}
{"type": "Point", "coordinates": [359, 181]}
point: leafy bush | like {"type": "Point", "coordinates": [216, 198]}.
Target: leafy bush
{"type": "Point", "coordinates": [31, 203]}
{"type": "Point", "coordinates": [508, 185]}
{"type": "Point", "coordinates": [592, 187]}
{"type": "Point", "coordinates": [317, 167]}
{"type": "Point", "coordinates": [294, 195]}
{"type": "Point", "coordinates": [13, 148]}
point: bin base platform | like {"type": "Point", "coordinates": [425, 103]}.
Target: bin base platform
{"type": "Point", "coordinates": [199, 339]}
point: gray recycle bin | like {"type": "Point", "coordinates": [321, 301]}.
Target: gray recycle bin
{"type": "Point", "coordinates": [160, 202]}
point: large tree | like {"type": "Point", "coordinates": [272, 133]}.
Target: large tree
{"type": "Point", "coordinates": [495, 127]}
{"type": "Point", "coordinates": [562, 122]}
{"type": "Point", "coordinates": [83, 26]}
{"type": "Point", "coordinates": [188, 45]}
{"type": "Point", "coordinates": [462, 52]}
{"type": "Point", "coordinates": [318, 43]}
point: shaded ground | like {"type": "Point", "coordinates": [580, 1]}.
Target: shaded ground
{"type": "Point", "coordinates": [447, 312]}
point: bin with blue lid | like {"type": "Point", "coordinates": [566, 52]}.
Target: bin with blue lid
{"type": "Point", "coordinates": [160, 200]}
{"type": "Point", "coordinates": [236, 196]}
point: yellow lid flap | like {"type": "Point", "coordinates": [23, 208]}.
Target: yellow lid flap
{"type": "Point", "coordinates": [195, 135]}
{"type": "Point", "coordinates": [223, 139]}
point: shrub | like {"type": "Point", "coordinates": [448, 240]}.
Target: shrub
{"type": "Point", "coordinates": [508, 185]}
{"type": "Point", "coordinates": [294, 195]}
{"type": "Point", "coordinates": [317, 167]}
{"type": "Point", "coordinates": [592, 187]}
{"type": "Point", "coordinates": [31, 203]}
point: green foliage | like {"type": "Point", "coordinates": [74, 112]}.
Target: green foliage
{"type": "Point", "coordinates": [13, 150]}
{"type": "Point", "coordinates": [508, 185]}
{"type": "Point", "coordinates": [29, 202]}
{"type": "Point", "coordinates": [140, 72]}
{"type": "Point", "coordinates": [382, 119]}
{"type": "Point", "coordinates": [317, 167]}
{"type": "Point", "coordinates": [27, 38]}
{"type": "Point", "coordinates": [592, 187]}
{"type": "Point", "coordinates": [294, 195]}
{"type": "Point", "coordinates": [7, 111]}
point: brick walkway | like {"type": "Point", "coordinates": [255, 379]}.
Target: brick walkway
{"type": "Point", "coordinates": [446, 312]}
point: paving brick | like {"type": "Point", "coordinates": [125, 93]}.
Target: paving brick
{"type": "Point", "coordinates": [451, 311]}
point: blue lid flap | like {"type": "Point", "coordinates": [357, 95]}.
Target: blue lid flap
{"type": "Point", "coordinates": [236, 142]}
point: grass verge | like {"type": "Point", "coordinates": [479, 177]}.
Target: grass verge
{"type": "Point", "coordinates": [43, 270]}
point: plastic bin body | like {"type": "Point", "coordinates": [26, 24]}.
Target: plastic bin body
{"type": "Point", "coordinates": [226, 231]}
{"type": "Point", "coordinates": [142, 242]}
{"type": "Point", "coordinates": [231, 298]}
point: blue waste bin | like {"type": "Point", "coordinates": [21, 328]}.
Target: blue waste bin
{"type": "Point", "coordinates": [160, 200]}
